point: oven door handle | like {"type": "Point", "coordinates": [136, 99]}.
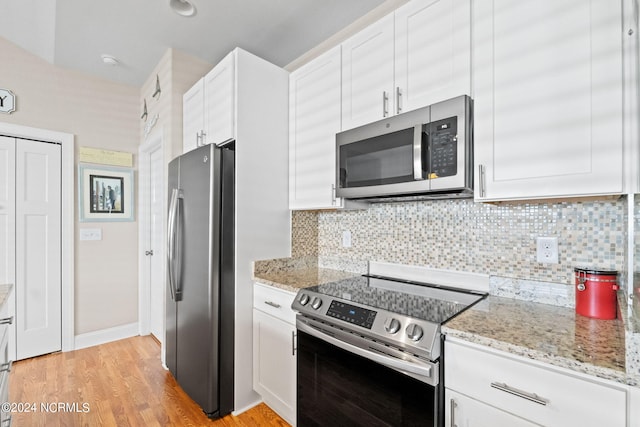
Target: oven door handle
{"type": "Point", "coordinates": [388, 361]}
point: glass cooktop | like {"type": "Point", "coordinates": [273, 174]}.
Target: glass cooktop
{"type": "Point", "coordinates": [429, 302]}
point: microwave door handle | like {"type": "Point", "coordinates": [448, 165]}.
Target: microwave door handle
{"type": "Point", "coordinates": [417, 152]}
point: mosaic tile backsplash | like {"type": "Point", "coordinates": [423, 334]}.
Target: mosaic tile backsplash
{"type": "Point", "coordinates": [495, 239]}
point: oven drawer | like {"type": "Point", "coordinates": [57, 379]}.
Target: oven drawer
{"type": "Point", "coordinates": [531, 390]}
{"type": "Point", "coordinates": [274, 301]}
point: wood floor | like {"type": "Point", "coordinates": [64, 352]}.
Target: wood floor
{"type": "Point", "coordinates": [116, 384]}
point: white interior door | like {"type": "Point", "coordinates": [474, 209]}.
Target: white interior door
{"type": "Point", "coordinates": [7, 210]}
{"type": "Point", "coordinates": [156, 243]}
{"type": "Point", "coordinates": [38, 247]}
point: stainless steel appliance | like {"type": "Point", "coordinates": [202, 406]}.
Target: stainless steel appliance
{"type": "Point", "coordinates": [369, 351]}
{"type": "Point", "coordinates": [420, 154]}
{"type": "Point", "coordinates": [200, 298]}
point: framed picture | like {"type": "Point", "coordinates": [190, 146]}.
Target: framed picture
{"type": "Point", "coordinates": [105, 193]}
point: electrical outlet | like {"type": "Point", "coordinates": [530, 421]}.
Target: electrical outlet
{"type": "Point", "coordinates": [547, 250]}
{"type": "Point", "coordinates": [346, 239]}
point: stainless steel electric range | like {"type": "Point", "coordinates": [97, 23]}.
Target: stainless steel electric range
{"type": "Point", "coordinates": [369, 351]}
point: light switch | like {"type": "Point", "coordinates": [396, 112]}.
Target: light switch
{"type": "Point", "coordinates": [90, 234]}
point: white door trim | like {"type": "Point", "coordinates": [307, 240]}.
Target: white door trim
{"type": "Point", "coordinates": [68, 217]}
{"type": "Point", "coordinates": [154, 142]}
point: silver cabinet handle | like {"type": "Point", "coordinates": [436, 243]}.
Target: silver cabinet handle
{"type": "Point", "coordinates": [6, 321]}
{"type": "Point", "coordinates": [200, 138]}
{"type": "Point", "coordinates": [481, 178]}
{"type": "Point", "coordinates": [453, 406]}
{"type": "Point", "coordinates": [333, 194]}
{"type": "Point", "coordinates": [273, 304]}
{"type": "Point", "coordinates": [520, 393]}
{"type": "Point", "coordinates": [385, 104]}
{"type": "Point", "coordinates": [398, 100]}
{"type": "Point", "coordinates": [293, 343]}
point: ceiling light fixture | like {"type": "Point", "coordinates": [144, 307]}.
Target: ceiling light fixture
{"type": "Point", "coordinates": [110, 60]}
{"type": "Point", "coordinates": [182, 7]}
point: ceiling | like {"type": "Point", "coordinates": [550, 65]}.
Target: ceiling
{"type": "Point", "coordinates": [75, 33]}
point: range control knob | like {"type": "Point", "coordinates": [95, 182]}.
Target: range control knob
{"type": "Point", "coordinates": [316, 303]}
{"type": "Point", "coordinates": [414, 332]}
{"type": "Point", "coordinates": [392, 325]}
{"type": "Point", "coordinates": [304, 299]}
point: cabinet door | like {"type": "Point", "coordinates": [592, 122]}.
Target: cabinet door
{"type": "Point", "coordinates": [274, 364]}
{"type": "Point", "coordinates": [192, 116]}
{"type": "Point", "coordinates": [314, 120]}
{"type": "Point", "coordinates": [461, 410]}
{"type": "Point", "coordinates": [548, 98]}
{"type": "Point", "coordinates": [219, 101]}
{"type": "Point", "coordinates": [367, 74]}
{"type": "Point", "coordinates": [432, 52]}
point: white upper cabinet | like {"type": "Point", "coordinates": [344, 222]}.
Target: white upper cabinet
{"type": "Point", "coordinates": [432, 52]}
{"type": "Point", "coordinates": [409, 59]}
{"type": "Point", "coordinates": [548, 97]}
{"type": "Point", "coordinates": [367, 74]}
{"type": "Point", "coordinates": [219, 90]}
{"type": "Point", "coordinates": [193, 116]}
{"type": "Point", "coordinates": [314, 120]}
{"type": "Point", "coordinates": [208, 108]}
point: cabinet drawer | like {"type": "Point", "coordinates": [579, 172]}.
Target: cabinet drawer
{"type": "Point", "coordinates": [541, 394]}
{"type": "Point", "coordinates": [275, 302]}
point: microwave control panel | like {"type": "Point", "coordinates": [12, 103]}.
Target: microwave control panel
{"type": "Point", "coordinates": [443, 147]}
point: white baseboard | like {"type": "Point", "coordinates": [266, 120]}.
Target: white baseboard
{"type": "Point", "coordinates": [106, 335]}
{"type": "Point", "coordinates": [246, 408]}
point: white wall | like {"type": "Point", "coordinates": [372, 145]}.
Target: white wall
{"type": "Point", "coordinates": [100, 114]}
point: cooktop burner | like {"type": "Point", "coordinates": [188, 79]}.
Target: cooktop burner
{"type": "Point", "coordinates": [400, 313]}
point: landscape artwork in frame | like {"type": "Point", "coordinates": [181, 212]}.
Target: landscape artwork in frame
{"type": "Point", "coordinates": [105, 193]}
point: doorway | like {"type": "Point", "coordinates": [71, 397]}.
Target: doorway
{"type": "Point", "coordinates": [39, 147]}
{"type": "Point", "coordinates": [152, 237]}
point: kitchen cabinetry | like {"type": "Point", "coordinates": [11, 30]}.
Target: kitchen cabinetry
{"type": "Point", "coordinates": [497, 386]}
{"type": "Point", "coordinates": [193, 117]}
{"type": "Point", "coordinates": [314, 120]}
{"type": "Point", "coordinates": [274, 360]}
{"type": "Point", "coordinates": [219, 97]}
{"type": "Point", "coordinates": [416, 56]}
{"type": "Point", "coordinates": [465, 411]}
{"type": "Point", "coordinates": [548, 95]}
{"type": "Point", "coordinates": [6, 319]}
{"type": "Point", "coordinates": [208, 114]}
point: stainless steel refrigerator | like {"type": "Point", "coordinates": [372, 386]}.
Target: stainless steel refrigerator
{"type": "Point", "coordinates": [200, 299]}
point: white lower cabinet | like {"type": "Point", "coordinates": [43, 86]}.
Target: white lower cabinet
{"type": "Point", "coordinates": [486, 386]}
{"type": "Point", "coordinates": [463, 411]}
{"type": "Point", "coordinates": [274, 360]}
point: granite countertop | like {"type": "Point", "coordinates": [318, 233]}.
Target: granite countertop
{"type": "Point", "coordinates": [293, 274]}
{"type": "Point", "coordinates": [5, 290]}
{"type": "Point", "coordinates": [552, 334]}
{"type": "Point", "coordinates": [547, 333]}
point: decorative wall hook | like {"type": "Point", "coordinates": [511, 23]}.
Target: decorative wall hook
{"type": "Point", "coordinates": [144, 110]}
{"type": "Point", "coordinates": [157, 92]}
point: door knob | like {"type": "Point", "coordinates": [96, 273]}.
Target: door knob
{"type": "Point", "coordinates": [149, 252]}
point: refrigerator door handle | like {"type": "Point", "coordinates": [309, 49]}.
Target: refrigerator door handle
{"type": "Point", "coordinates": [174, 273]}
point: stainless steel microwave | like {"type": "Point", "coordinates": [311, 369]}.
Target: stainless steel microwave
{"type": "Point", "coordinates": [420, 154]}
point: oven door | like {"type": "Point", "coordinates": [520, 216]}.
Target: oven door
{"type": "Point", "coordinates": [339, 387]}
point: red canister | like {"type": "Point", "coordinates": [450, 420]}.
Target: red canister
{"type": "Point", "coordinates": [596, 293]}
